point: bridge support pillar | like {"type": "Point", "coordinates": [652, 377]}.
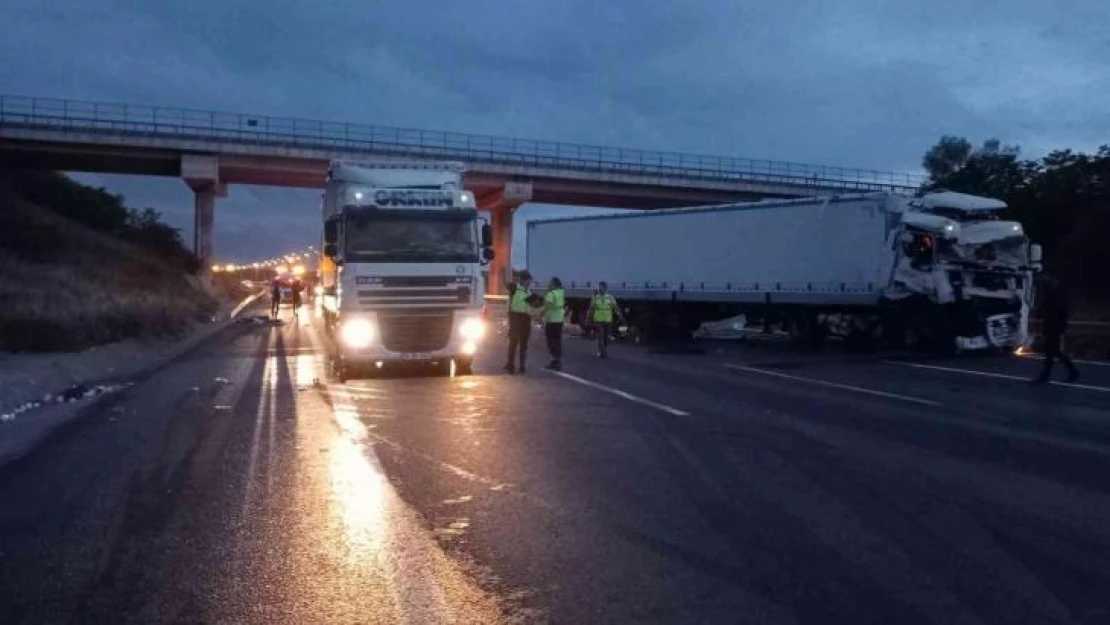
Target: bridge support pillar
{"type": "Point", "coordinates": [501, 205]}
{"type": "Point", "coordinates": [202, 173]}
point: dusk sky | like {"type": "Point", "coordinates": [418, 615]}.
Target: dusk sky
{"type": "Point", "coordinates": [860, 83]}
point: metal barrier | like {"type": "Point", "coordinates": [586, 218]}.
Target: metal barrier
{"type": "Point", "coordinates": [222, 127]}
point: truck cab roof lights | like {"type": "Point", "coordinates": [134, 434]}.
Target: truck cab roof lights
{"type": "Point", "coordinates": [959, 201]}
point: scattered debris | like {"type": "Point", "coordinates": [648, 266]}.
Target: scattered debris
{"type": "Point", "coordinates": [72, 394]}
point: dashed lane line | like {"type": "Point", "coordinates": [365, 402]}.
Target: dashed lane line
{"type": "Point", "coordinates": [991, 374]}
{"type": "Point", "coordinates": [837, 385]}
{"type": "Point", "coordinates": [623, 394]}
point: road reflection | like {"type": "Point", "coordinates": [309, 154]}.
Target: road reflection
{"type": "Point", "coordinates": [359, 491]}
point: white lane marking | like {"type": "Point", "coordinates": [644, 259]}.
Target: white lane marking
{"type": "Point", "coordinates": [269, 371]}
{"type": "Point", "coordinates": [619, 393]}
{"type": "Point", "coordinates": [843, 387]}
{"type": "Point", "coordinates": [991, 374]}
{"type": "Point", "coordinates": [247, 301]}
{"type": "Point", "coordinates": [1097, 363]}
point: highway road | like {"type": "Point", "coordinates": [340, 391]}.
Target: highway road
{"type": "Point", "coordinates": [744, 485]}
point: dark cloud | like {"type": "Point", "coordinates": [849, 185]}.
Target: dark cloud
{"type": "Point", "coordinates": [862, 83]}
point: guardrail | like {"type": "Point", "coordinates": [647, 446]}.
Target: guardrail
{"type": "Point", "coordinates": [222, 127]}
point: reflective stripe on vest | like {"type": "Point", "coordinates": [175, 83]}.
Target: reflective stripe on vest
{"type": "Point", "coordinates": [603, 308]}
{"type": "Point", "coordinates": [556, 303]}
{"type": "Point", "coordinates": [518, 303]}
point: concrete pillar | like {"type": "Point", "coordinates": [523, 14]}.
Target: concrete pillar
{"type": "Point", "coordinates": [203, 218]}
{"type": "Point", "coordinates": [501, 220]}
{"type": "Point", "coordinates": [202, 173]}
{"type": "Point", "coordinates": [501, 204]}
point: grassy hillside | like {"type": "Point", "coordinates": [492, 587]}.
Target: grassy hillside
{"type": "Point", "coordinates": [74, 276]}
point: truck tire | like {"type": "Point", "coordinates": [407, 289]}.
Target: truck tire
{"type": "Point", "coordinates": [463, 366]}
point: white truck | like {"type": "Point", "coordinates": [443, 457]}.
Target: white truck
{"type": "Point", "coordinates": [401, 268]}
{"type": "Point", "coordinates": [940, 269]}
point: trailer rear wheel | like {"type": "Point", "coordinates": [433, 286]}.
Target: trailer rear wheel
{"type": "Point", "coordinates": [462, 366]}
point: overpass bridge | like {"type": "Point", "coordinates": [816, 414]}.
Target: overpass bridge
{"type": "Point", "coordinates": [211, 149]}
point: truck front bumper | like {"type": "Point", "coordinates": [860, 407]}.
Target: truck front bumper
{"type": "Point", "coordinates": [1004, 331]}
{"type": "Point", "coordinates": [410, 338]}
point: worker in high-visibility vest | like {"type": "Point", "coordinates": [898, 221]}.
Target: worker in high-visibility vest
{"type": "Point", "coordinates": [602, 309]}
{"type": "Point", "coordinates": [554, 313]}
{"type": "Point", "coordinates": [521, 300]}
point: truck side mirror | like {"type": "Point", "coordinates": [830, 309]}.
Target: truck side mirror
{"type": "Point", "coordinates": [487, 254]}
{"type": "Point", "coordinates": [331, 231]}
{"type": "Point", "coordinates": [487, 236]}
{"type": "Point", "coordinates": [330, 250]}
{"type": "Point", "coordinates": [1036, 255]}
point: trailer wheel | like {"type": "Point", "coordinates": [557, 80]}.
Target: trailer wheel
{"type": "Point", "coordinates": [462, 366]}
{"type": "Point", "coordinates": [339, 370]}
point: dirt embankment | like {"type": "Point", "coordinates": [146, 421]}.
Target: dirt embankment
{"type": "Point", "coordinates": [65, 286]}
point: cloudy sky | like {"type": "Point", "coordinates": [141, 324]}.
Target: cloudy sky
{"type": "Point", "coordinates": [863, 83]}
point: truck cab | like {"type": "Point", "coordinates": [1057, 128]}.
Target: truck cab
{"type": "Point", "coordinates": [957, 251]}
{"type": "Point", "coordinates": [401, 276]}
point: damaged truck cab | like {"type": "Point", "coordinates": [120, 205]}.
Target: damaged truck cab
{"type": "Point", "coordinates": [963, 276]}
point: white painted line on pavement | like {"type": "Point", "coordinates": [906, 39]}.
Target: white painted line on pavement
{"type": "Point", "coordinates": [991, 374]}
{"type": "Point", "coordinates": [247, 301]}
{"type": "Point", "coordinates": [619, 393]}
{"type": "Point", "coordinates": [844, 387]}
{"type": "Point", "coordinates": [1097, 363]}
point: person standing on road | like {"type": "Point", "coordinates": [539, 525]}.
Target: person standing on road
{"type": "Point", "coordinates": [275, 298]}
{"type": "Point", "coordinates": [1055, 310]}
{"type": "Point", "coordinates": [554, 313]}
{"type": "Point", "coordinates": [521, 300]}
{"type": "Point", "coordinates": [602, 308]}
{"type": "Point", "coordinates": [295, 292]}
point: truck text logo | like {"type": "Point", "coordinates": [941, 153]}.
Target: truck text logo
{"type": "Point", "coordinates": [402, 197]}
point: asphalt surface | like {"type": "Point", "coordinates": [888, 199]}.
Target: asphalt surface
{"type": "Point", "coordinates": [744, 485]}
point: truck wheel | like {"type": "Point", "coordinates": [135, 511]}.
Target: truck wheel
{"type": "Point", "coordinates": [463, 366]}
{"type": "Point", "coordinates": [339, 370]}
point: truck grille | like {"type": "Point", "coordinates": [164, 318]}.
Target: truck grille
{"type": "Point", "coordinates": [377, 292]}
{"type": "Point", "coordinates": [410, 332]}
{"type": "Point", "coordinates": [992, 281]}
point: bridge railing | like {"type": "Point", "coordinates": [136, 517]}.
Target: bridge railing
{"type": "Point", "coordinates": [129, 119]}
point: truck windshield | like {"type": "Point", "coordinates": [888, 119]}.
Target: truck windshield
{"type": "Point", "coordinates": [1012, 252]}
{"type": "Point", "coordinates": [420, 237]}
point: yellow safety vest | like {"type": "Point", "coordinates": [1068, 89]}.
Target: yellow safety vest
{"type": "Point", "coordinates": [603, 306]}
{"type": "Point", "coordinates": [518, 301]}
{"type": "Point", "coordinates": [556, 304]}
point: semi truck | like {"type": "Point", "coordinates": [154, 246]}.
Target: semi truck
{"type": "Point", "coordinates": [401, 268]}
{"type": "Point", "coordinates": [940, 270]}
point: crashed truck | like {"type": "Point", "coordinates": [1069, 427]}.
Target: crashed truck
{"type": "Point", "coordinates": [942, 270]}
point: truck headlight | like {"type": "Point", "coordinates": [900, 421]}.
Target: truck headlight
{"type": "Point", "coordinates": [472, 329]}
{"type": "Point", "coordinates": [357, 333]}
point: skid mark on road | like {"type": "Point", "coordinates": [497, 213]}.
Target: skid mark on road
{"type": "Point", "coordinates": [623, 394]}
{"type": "Point", "coordinates": [991, 374]}
{"type": "Point", "coordinates": [836, 385]}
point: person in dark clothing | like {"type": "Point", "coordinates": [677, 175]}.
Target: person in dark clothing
{"type": "Point", "coordinates": [521, 300]}
{"type": "Point", "coordinates": [1055, 310]}
{"type": "Point", "coordinates": [275, 299]}
{"type": "Point", "coordinates": [296, 289]}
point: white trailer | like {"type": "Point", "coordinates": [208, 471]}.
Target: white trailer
{"type": "Point", "coordinates": [401, 275]}
{"type": "Point", "coordinates": [942, 268]}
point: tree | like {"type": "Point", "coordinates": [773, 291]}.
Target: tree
{"type": "Point", "coordinates": [1063, 199]}
{"type": "Point", "coordinates": [946, 157]}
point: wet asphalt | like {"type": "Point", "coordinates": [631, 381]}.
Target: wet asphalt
{"type": "Point", "coordinates": [747, 484]}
